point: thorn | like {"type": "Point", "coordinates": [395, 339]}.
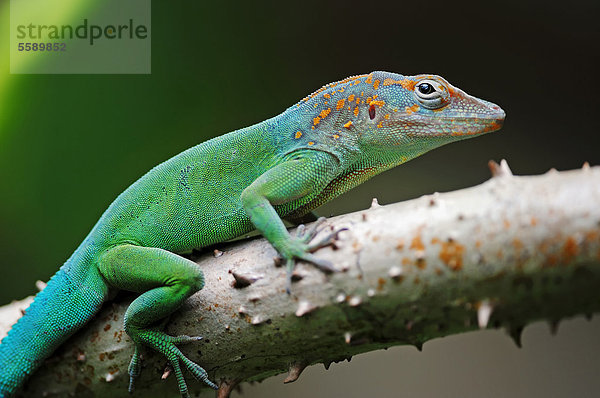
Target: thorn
{"type": "Point", "coordinates": [355, 301]}
{"type": "Point", "coordinates": [242, 310]}
{"type": "Point", "coordinates": [80, 356]}
{"type": "Point", "coordinates": [395, 273]}
{"type": "Point", "coordinates": [226, 387]}
{"type": "Point", "coordinates": [217, 253]}
{"type": "Point", "coordinates": [371, 292]}
{"type": "Point", "coordinates": [110, 377]}
{"type": "Point", "coordinates": [515, 334]}
{"type": "Point", "coordinates": [258, 319]}
{"type": "Point", "coordinates": [499, 170]}
{"type": "Point", "coordinates": [553, 326]}
{"type": "Point", "coordinates": [40, 285]}
{"type": "Point", "coordinates": [374, 204]}
{"type": "Point", "coordinates": [294, 372]}
{"type": "Point", "coordinates": [586, 166]}
{"type": "Point", "coordinates": [254, 298]}
{"type": "Point", "coordinates": [552, 171]}
{"type": "Point", "coordinates": [348, 337]}
{"type": "Point", "coordinates": [297, 275]}
{"type": "Point", "coordinates": [242, 281]}
{"type": "Point", "coordinates": [304, 308]}
{"type": "Point", "coordinates": [166, 372]}
{"type": "Point", "coordinates": [340, 298]}
{"type": "Point", "coordinates": [484, 311]}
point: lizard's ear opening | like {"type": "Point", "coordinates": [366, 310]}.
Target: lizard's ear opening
{"type": "Point", "coordinates": [432, 94]}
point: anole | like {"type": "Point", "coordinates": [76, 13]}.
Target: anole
{"type": "Point", "coordinates": [253, 178]}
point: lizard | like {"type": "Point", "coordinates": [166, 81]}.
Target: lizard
{"type": "Point", "coordinates": [249, 179]}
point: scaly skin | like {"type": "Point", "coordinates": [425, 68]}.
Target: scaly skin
{"type": "Point", "coordinates": [281, 168]}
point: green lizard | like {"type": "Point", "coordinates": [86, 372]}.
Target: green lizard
{"type": "Point", "coordinates": [282, 168]}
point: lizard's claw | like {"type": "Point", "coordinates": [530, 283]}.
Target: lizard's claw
{"type": "Point", "coordinates": [166, 345]}
{"type": "Point", "coordinates": [304, 236]}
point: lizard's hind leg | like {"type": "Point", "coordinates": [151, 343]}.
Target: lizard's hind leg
{"type": "Point", "coordinates": [165, 280]}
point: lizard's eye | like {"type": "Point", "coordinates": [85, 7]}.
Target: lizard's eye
{"type": "Point", "coordinates": [425, 88]}
{"type": "Point", "coordinates": [431, 93]}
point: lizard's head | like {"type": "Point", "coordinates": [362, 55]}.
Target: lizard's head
{"type": "Point", "coordinates": [402, 115]}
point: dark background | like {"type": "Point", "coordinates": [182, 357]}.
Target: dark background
{"type": "Point", "coordinates": [69, 144]}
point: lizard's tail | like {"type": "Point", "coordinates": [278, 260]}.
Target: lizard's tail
{"type": "Point", "coordinates": [73, 295]}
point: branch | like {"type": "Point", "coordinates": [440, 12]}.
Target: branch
{"type": "Point", "coordinates": [508, 252]}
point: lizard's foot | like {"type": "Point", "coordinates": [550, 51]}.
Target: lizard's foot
{"type": "Point", "coordinates": [167, 345]}
{"type": "Point", "coordinates": [303, 249]}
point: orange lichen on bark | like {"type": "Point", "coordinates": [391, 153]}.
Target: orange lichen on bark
{"type": "Point", "coordinates": [451, 254]}
{"type": "Point", "coordinates": [570, 249]}
{"type": "Point", "coordinates": [417, 243]}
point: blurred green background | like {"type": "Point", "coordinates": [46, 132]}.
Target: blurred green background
{"type": "Point", "coordinates": [69, 144]}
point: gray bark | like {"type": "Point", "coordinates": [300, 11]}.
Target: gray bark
{"type": "Point", "coordinates": [508, 252]}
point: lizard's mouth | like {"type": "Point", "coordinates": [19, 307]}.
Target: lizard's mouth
{"type": "Point", "coordinates": [464, 116]}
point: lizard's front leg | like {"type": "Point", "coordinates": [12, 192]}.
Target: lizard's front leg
{"type": "Point", "coordinates": [298, 180]}
{"type": "Point", "coordinates": [165, 280]}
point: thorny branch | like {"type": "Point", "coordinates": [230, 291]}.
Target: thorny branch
{"type": "Point", "coordinates": [502, 254]}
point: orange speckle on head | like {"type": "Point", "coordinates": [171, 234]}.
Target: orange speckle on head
{"type": "Point", "coordinates": [348, 124]}
{"type": "Point", "coordinates": [403, 159]}
{"type": "Point", "coordinates": [379, 125]}
{"type": "Point", "coordinates": [324, 113]}
{"type": "Point", "coordinates": [351, 98]}
{"type": "Point", "coordinates": [386, 116]}
{"type": "Point", "coordinates": [298, 134]}
{"type": "Point", "coordinates": [533, 221]}
{"type": "Point", "coordinates": [369, 99]}
{"type": "Point", "coordinates": [340, 104]}
{"type": "Point", "coordinates": [357, 100]}
{"type": "Point", "coordinates": [411, 109]}
{"type": "Point", "coordinates": [407, 84]}
{"type": "Point", "coordinates": [376, 84]}
{"type": "Point", "coordinates": [356, 111]}
{"type": "Point", "coordinates": [379, 103]}
{"type": "Point", "coordinates": [369, 79]}
{"type": "Point", "coordinates": [327, 95]}
{"type": "Point", "coordinates": [335, 136]}
{"type": "Point", "coordinates": [311, 143]}
{"type": "Point", "coordinates": [316, 121]}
